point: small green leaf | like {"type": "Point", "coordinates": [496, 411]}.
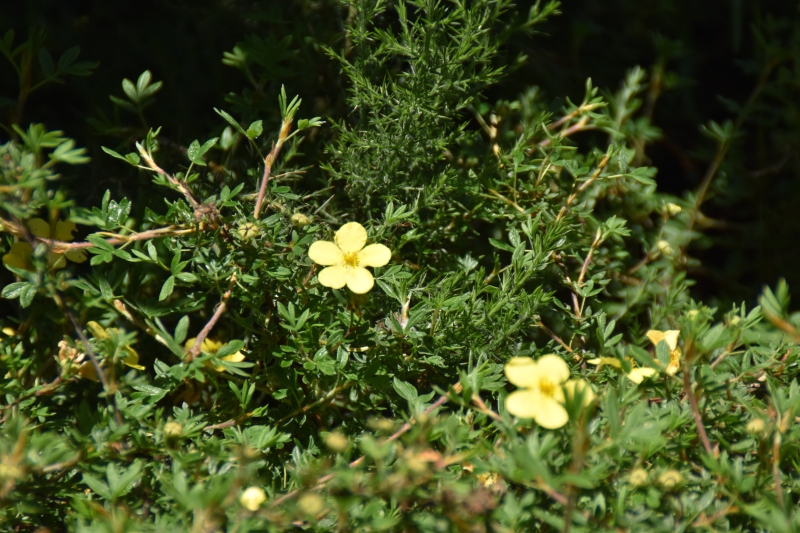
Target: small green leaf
{"type": "Point", "coordinates": [167, 289]}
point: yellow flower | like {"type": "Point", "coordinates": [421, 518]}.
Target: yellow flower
{"type": "Point", "coordinates": [247, 231]}
{"type": "Point", "coordinates": [672, 209]}
{"type": "Point", "coordinates": [542, 386]}
{"type": "Point", "coordinates": [252, 498]}
{"type": "Point", "coordinates": [131, 356]}
{"type": "Point", "coordinates": [636, 374]}
{"type": "Point", "coordinates": [212, 347]}
{"type": "Point", "coordinates": [671, 338]}
{"type": "Point", "coordinates": [21, 252]}
{"type": "Point", "coordinates": [346, 258]}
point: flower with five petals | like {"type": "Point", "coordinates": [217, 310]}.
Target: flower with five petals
{"type": "Point", "coordinates": [671, 338]}
{"type": "Point", "coordinates": [542, 385]}
{"type": "Point", "coordinates": [346, 257]}
{"type": "Point", "coordinates": [211, 346]}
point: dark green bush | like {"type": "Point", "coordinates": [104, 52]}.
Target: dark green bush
{"type": "Point", "coordinates": [175, 360]}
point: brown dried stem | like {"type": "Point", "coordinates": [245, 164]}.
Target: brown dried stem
{"type": "Point", "coordinates": [198, 344]}
{"type": "Point", "coordinates": [176, 183]}
{"type": "Point", "coordinates": [269, 161]}
{"type": "Point", "coordinates": [698, 420]}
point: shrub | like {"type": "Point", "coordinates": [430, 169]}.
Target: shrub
{"type": "Point", "coordinates": [478, 323]}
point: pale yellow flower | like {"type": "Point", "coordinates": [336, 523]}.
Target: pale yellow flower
{"type": "Point", "coordinates": [130, 356]}
{"type": "Point", "coordinates": [637, 374]}
{"type": "Point", "coordinates": [252, 498]}
{"type": "Point", "coordinates": [346, 257]}
{"type": "Point", "coordinates": [671, 338]}
{"type": "Point", "coordinates": [20, 254]}
{"type": "Point", "coordinates": [673, 209]}
{"type": "Point", "coordinates": [542, 386]}
{"type": "Point", "coordinates": [212, 347]}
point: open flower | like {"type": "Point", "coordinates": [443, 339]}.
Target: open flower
{"type": "Point", "coordinates": [346, 257]}
{"type": "Point", "coordinates": [671, 338]}
{"type": "Point", "coordinates": [542, 386]}
{"type": "Point", "coordinates": [637, 374]}
{"type": "Point", "coordinates": [212, 347]}
{"type": "Point", "coordinates": [20, 254]}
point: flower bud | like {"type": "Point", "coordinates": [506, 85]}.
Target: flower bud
{"type": "Point", "coordinates": [756, 426]}
{"type": "Point", "coordinates": [336, 442]}
{"type": "Point", "coordinates": [252, 498]}
{"type": "Point", "coordinates": [299, 219]}
{"type": "Point", "coordinates": [638, 477]}
{"type": "Point", "coordinates": [247, 231]}
{"type": "Point", "coordinates": [664, 247]}
{"type": "Point", "coordinates": [173, 429]}
{"type": "Point", "coordinates": [310, 503]}
{"type": "Point", "coordinates": [670, 479]}
{"type": "Point", "coordinates": [672, 209]}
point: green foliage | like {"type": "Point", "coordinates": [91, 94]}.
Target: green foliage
{"type": "Point", "coordinates": [193, 352]}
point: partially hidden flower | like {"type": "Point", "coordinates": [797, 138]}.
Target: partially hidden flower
{"type": "Point", "coordinates": [671, 338]}
{"type": "Point", "coordinates": [252, 498]}
{"type": "Point", "coordinates": [346, 257]}
{"type": "Point", "coordinates": [542, 385]}
{"type": "Point", "coordinates": [21, 252]}
{"type": "Point", "coordinates": [212, 347]}
{"type": "Point", "coordinates": [130, 357]}
{"type": "Point", "coordinates": [637, 374]}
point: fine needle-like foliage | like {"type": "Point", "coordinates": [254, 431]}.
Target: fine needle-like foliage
{"type": "Point", "coordinates": [431, 312]}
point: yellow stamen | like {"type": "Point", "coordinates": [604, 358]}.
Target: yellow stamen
{"type": "Point", "coordinates": [547, 387]}
{"type": "Point", "coordinates": [350, 259]}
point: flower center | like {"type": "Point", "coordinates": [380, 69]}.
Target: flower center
{"type": "Point", "coordinates": [547, 387]}
{"type": "Point", "coordinates": [350, 259]}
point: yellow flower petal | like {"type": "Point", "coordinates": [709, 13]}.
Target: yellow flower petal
{"type": "Point", "coordinates": [351, 237]}
{"type": "Point", "coordinates": [97, 331]}
{"type": "Point", "coordinates": [674, 362]}
{"type": "Point", "coordinates": [359, 280]}
{"type": "Point", "coordinates": [131, 358]}
{"type": "Point", "coordinates": [237, 357]}
{"type": "Point", "coordinates": [64, 230]}
{"type": "Point", "coordinates": [637, 375]}
{"type": "Point", "coordinates": [553, 367]}
{"type": "Point", "coordinates": [76, 255]}
{"type": "Point", "coordinates": [575, 386]}
{"type": "Point", "coordinates": [550, 414]}
{"type": "Point", "coordinates": [334, 277]}
{"type": "Point", "coordinates": [56, 261]}
{"type": "Point", "coordinates": [39, 228]}
{"type": "Point", "coordinates": [87, 370]}
{"type": "Point", "coordinates": [610, 361]}
{"type": "Point", "coordinates": [671, 337]}
{"type": "Point", "coordinates": [325, 253]}
{"type": "Point", "coordinates": [19, 256]}
{"type": "Point", "coordinates": [374, 255]}
{"type": "Point", "coordinates": [521, 371]}
{"type": "Point", "coordinates": [522, 403]}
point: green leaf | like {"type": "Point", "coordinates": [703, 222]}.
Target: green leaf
{"type": "Point", "coordinates": [68, 57]}
{"type": "Point", "coordinates": [46, 62]}
{"type": "Point", "coordinates": [167, 289]}
{"type": "Point", "coordinates": [255, 129]}
{"type": "Point", "coordinates": [404, 389]}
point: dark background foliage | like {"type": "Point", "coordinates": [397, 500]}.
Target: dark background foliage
{"type": "Point", "coordinates": [709, 53]}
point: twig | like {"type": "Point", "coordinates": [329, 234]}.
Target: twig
{"type": "Point", "coordinates": [328, 397]}
{"type": "Point", "coordinates": [594, 246]}
{"type": "Point", "coordinates": [269, 161]}
{"type": "Point", "coordinates": [198, 344]}
{"type": "Point", "coordinates": [776, 470]}
{"type": "Point", "coordinates": [47, 389]}
{"type": "Point", "coordinates": [575, 128]}
{"type": "Point", "coordinates": [177, 184]}
{"type": "Point", "coordinates": [687, 385]}
{"type": "Point", "coordinates": [554, 336]}
{"type": "Point", "coordinates": [583, 186]}
{"type": "Point", "coordinates": [63, 246]}
{"type": "Point", "coordinates": [483, 408]}
{"type": "Point", "coordinates": [506, 200]}
{"type": "Point", "coordinates": [397, 434]}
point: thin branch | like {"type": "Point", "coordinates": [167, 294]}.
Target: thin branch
{"type": "Point", "coordinates": [176, 183]}
{"type": "Point", "coordinates": [269, 161]}
{"type": "Point", "coordinates": [701, 429]}
{"type": "Point", "coordinates": [198, 344]}
{"type": "Point", "coordinates": [776, 469]}
{"type": "Point", "coordinates": [575, 128]}
{"type": "Point", "coordinates": [588, 260]}
{"type": "Point", "coordinates": [554, 336]}
{"type": "Point", "coordinates": [397, 434]}
{"type": "Point", "coordinates": [583, 186]}
{"type": "Point", "coordinates": [506, 200]}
